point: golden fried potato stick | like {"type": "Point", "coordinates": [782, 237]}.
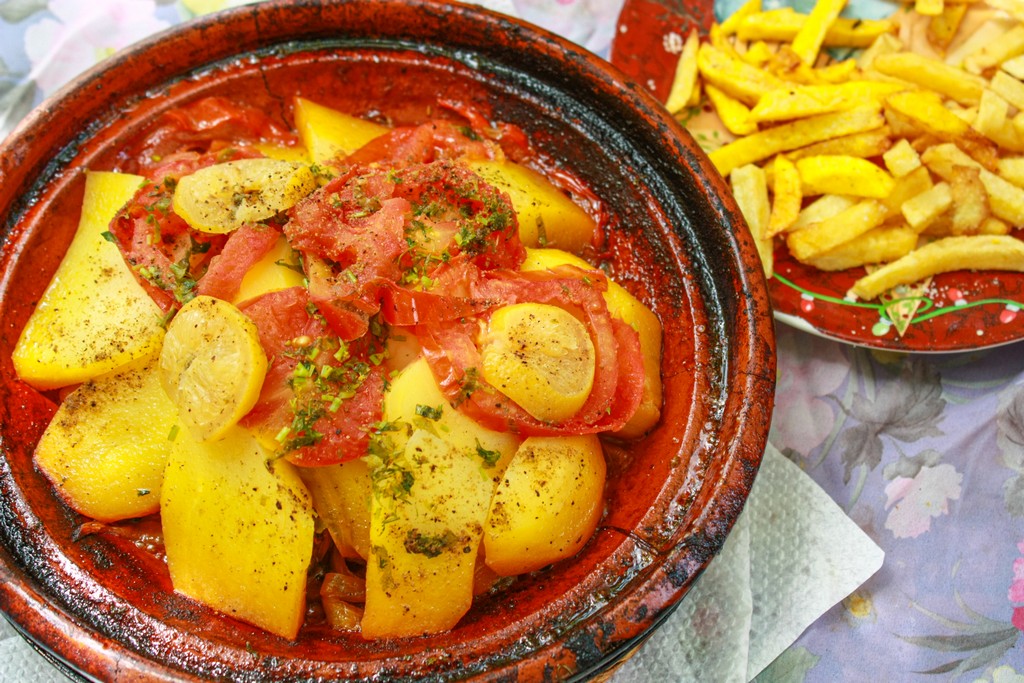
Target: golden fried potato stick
{"type": "Point", "coordinates": [814, 240]}
{"type": "Point", "coordinates": [734, 114]}
{"type": "Point", "coordinates": [809, 39]}
{"type": "Point", "coordinates": [732, 22]}
{"type": "Point", "coordinates": [879, 245]}
{"type": "Point", "coordinates": [750, 189]}
{"type": "Point", "coordinates": [932, 74]}
{"type": "Point", "coordinates": [787, 196]}
{"type": "Point", "coordinates": [789, 136]}
{"type": "Point", "coordinates": [798, 101]}
{"type": "Point", "coordinates": [925, 111]}
{"type": "Point", "coordinates": [841, 174]}
{"type": "Point", "coordinates": [943, 27]}
{"type": "Point", "coordinates": [685, 80]}
{"type": "Point", "coordinates": [732, 75]}
{"type": "Point", "coordinates": [975, 252]}
{"type": "Point", "coordinates": [870, 143]}
{"type": "Point", "coordinates": [782, 25]}
{"type": "Point", "coordinates": [1005, 199]}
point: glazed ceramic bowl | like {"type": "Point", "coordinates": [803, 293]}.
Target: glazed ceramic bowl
{"type": "Point", "coordinates": [105, 609]}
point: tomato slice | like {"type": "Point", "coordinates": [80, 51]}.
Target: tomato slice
{"type": "Point", "coordinates": [242, 250]}
{"type": "Point", "coordinates": [371, 231]}
{"type": "Point", "coordinates": [209, 124]}
{"type": "Point", "coordinates": [321, 396]}
{"type": "Point", "coordinates": [450, 348]}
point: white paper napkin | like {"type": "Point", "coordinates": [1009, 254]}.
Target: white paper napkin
{"type": "Point", "coordinates": [792, 555]}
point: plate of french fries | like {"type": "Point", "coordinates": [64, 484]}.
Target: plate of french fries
{"type": "Point", "coordinates": [876, 152]}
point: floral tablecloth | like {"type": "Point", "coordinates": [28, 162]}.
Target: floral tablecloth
{"type": "Point", "coordinates": [925, 453]}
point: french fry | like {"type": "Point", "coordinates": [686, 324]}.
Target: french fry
{"type": "Point", "coordinates": [1005, 199]}
{"type": "Point", "coordinates": [822, 209]}
{"type": "Point", "coordinates": [885, 44]}
{"type": "Point", "coordinates": [901, 158]}
{"type": "Point", "coordinates": [932, 74]}
{"type": "Point", "coordinates": [750, 189]}
{"type": "Point", "coordinates": [809, 39]}
{"type": "Point", "coordinates": [929, 8]}
{"type": "Point", "coordinates": [1009, 88]}
{"type": "Point", "coordinates": [787, 196]}
{"type": "Point", "coordinates": [835, 174]}
{"type": "Point", "coordinates": [1014, 8]}
{"type": "Point", "coordinates": [734, 114]}
{"type": "Point", "coordinates": [782, 25]}
{"type": "Point", "coordinates": [879, 245]}
{"type": "Point", "coordinates": [1006, 46]}
{"type": "Point", "coordinates": [1012, 169]}
{"type": "Point", "coordinates": [924, 209]}
{"type": "Point", "coordinates": [786, 137]}
{"type": "Point", "coordinates": [870, 143]}
{"type": "Point", "coordinates": [734, 76]}
{"type": "Point", "coordinates": [994, 226]}
{"type": "Point", "coordinates": [989, 31]}
{"type": "Point", "coordinates": [818, 238]}
{"type": "Point", "coordinates": [992, 120]}
{"type": "Point", "coordinates": [925, 111]}
{"type": "Point", "coordinates": [807, 100]}
{"type": "Point", "coordinates": [943, 27]}
{"type": "Point", "coordinates": [907, 187]}
{"type": "Point", "coordinates": [685, 79]}
{"type": "Point", "coordinates": [976, 252]}
{"type": "Point", "coordinates": [970, 201]}
{"type": "Point", "coordinates": [1014, 67]}
{"type": "Point", "coordinates": [729, 26]}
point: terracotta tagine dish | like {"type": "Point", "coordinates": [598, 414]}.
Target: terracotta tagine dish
{"type": "Point", "coordinates": [109, 598]}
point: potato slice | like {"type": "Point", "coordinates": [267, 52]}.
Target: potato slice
{"type": "Point", "coordinates": [238, 529]}
{"type": "Point", "coordinates": [414, 398]}
{"type": "Point", "coordinates": [106, 447]}
{"type": "Point", "coordinates": [341, 498]}
{"type": "Point", "coordinates": [548, 504]}
{"type": "Point", "coordinates": [626, 307]}
{"type": "Point", "coordinates": [328, 133]}
{"type": "Point", "coordinates": [94, 316]}
{"type": "Point", "coordinates": [212, 366]}
{"type": "Point", "coordinates": [547, 217]}
{"type": "Point", "coordinates": [427, 513]}
{"type": "Point", "coordinates": [223, 197]}
{"type": "Point", "coordinates": [541, 357]}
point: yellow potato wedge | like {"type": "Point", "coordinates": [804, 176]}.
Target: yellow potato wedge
{"type": "Point", "coordinates": [526, 531]}
{"type": "Point", "coordinates": [547, 217]}
{"type": "Point", "coordinates": [106, 448]}
{"type": "Point", "coordinates": [94, 316]}
{"type": "Point", "coordinates": [259, 512]}
{"type": "Point", "coordinates": [328, 133]}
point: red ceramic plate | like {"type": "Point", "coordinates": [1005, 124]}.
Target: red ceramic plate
{"type": "Point", "coordinates": [105, 608]}
{"type": "Point", "coordinates": [961, 311]}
